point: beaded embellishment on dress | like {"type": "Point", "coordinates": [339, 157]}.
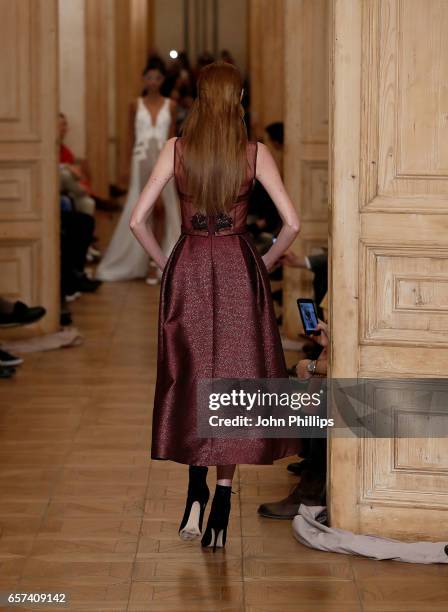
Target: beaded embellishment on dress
{"type": "Point", "coordinates": [200, 222]}
{"type": "Point", "coordinates": [223, 221]}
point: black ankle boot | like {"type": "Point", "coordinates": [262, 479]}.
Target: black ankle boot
{"type": "Point", "coordinates": [216, 530]}
{"type": "Point", "coordinates": [197, 498]}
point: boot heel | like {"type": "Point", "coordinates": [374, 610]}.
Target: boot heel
{"type": "Point", "coordinates": [216, 531]}
{"type": "Point", "coordinates": [220, 539]}
{"type": "Point", "coordinates": [197, 498]}
{"type": "Point", "coordinates": [192, 527]}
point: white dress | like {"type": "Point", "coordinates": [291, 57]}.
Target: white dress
{"type": "Point", "coordinates": [124, 257]}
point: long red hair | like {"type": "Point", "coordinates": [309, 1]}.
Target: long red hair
{"type": "Point", "coordinates": [214, 140]}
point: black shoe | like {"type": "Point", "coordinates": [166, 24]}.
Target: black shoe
{"type": "Point", "coordinates": [65, 316]}
{"type": "Point", "coordinates": [216, 530]}
{"type": "Point", "coordinates": [6, 359]}
{"type": "Point", "coordinates": [22, 315]}
{"type": "Point", "coordinates": [310, 492]}
{"type": "Point", "coordinates": [6, 372]}
{"type": "Point", "coordinates": [197, 498]}
{"type": "Point", "coordinates": [87, 285]}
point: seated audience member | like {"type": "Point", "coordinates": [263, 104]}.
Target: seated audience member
{"type": "Point", "coordinates": [311, 489]}
{"type": "Point", "coordinates": [76, 236]}
{"type": "Point", "coordinates": [76, 176]}
{"type": "Point", "coordinates": [318, 264]}
{"type": "Point", "coordinates": [11, 315]}
{"type": "Point", "coordinates": [71, 186]}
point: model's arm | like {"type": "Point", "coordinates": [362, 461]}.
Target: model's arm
{"type": "Point", "coordinates": [161, 174]}
{"type": "Point", "coordinates": [269, 176]}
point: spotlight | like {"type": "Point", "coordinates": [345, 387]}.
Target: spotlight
{"type": "Point", "coordinates": [173, 53]}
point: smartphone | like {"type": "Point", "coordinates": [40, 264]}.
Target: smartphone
{"type": "Point", "coordinates": [308, 314]}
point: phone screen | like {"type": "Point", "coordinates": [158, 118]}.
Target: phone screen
{"type": "Point", "coordinates": [308, 315]}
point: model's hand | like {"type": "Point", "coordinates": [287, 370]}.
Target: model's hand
{"type": "Point", "coordinates": [323, 338]}
{"type": "Point", "coordinates": [267, 262]}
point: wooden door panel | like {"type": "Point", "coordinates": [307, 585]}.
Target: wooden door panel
{"type": "Point", "coordinates": [20, 35]}
{"type": "Point", "coordinates": [389, 252]}
{"type": "Point", "coordinates": [405, 116]}
{"type": "Point", "coordinates": [405, 297]}
{"type": "Point", "coordinates": [306, 140]}
{"type": "Point", "coordinates": [29, 202]}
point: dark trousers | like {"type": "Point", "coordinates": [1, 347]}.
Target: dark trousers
{"type": "Point", "coordinates": [77, 230]}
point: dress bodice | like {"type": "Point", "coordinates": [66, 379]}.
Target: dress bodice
{"type": "Point", "coordinates": [232, 222]}
{"type": "Point", "coordinates": [145, 130]}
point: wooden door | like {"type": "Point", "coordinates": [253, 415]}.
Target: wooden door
{"type": "Point", "coordinates": [306, 140]}
{"type": "Point", "coordinates": [389, 249]}
{"type": "Point", "coordinates": [29, 202]}
{"type": "Point", "coordinates": [97, 94]}
{"type": "Point", "coordinates": [133, 19]}
{"type": "Point", "coordinates": [266, 63]}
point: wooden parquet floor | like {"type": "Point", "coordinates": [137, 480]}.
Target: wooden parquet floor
{"type": "Point", "coordinates": [84, 510]}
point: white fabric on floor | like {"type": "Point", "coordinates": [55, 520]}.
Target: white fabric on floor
{"type": "Point", "coordinates": [307, 530]}
{"type": "Point", "coordinates": [66, 337]}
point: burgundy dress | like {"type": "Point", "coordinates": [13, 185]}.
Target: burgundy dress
{"type": "Point", "coordinates": [216, 320]}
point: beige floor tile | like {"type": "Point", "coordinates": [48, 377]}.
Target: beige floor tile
{"type": "Point", "coordinates": [85, 510]}
{"type": "Point", "coordinates": [279, 592]}
{"type": "Point", "coordinates": [188, 595]}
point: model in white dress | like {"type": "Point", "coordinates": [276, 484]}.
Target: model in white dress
{"type": "Point", "coordinates": [124, 257]}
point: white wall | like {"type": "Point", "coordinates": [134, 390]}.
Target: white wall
{"type": "Point", "coordinates": [72, 71]}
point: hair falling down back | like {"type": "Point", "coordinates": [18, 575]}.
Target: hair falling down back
{"type": "Point", "coordinates": [215, 139]}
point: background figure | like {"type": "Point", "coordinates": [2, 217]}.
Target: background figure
{"type": "Point", "coordinates": [318, 264]}
{"type": "Point", "coordinates": [153, 121]}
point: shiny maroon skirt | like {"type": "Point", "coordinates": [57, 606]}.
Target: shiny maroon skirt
{"type": "Point", "coordinates": [216, 320]}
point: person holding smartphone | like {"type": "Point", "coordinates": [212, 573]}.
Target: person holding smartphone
{"type": "Point", "coordinates": [307, 368]}
{"type": "Point", "coordinates": [311, 488]}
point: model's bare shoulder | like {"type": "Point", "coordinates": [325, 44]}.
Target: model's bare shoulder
{"type": "Point", "coordinates": [170, 143]}
{"type": "Point", "coordinates": [262, 149]}
{"type": "Point", "coordinates": [265, 160]}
